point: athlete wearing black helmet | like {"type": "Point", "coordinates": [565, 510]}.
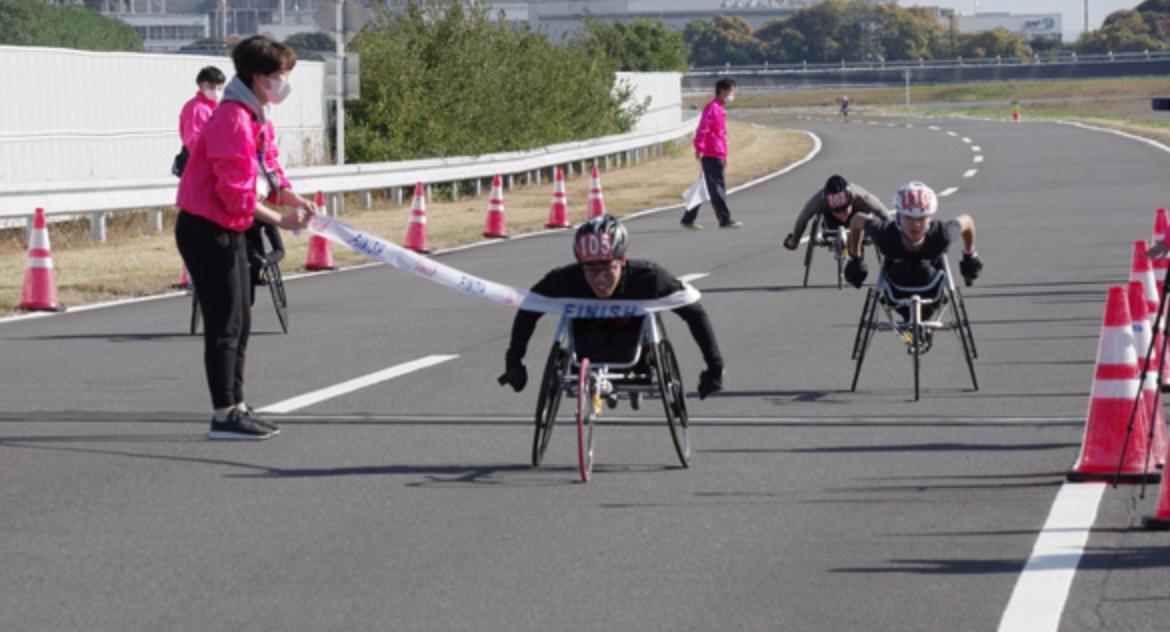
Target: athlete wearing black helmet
{"type": "Point", "coordinates": [604, 271]}
{"type": "Point", "coordinates": [836, 202]}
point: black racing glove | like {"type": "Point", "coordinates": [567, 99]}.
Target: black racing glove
{"type": "Point", "coordinates": [515, 375]}
{"type": "Point", "coordinates": [710, 381]}
{"type": "Point", "coordinates": [791, 242]}
{"type": "Point", "coordinates": [855, 271]}
{"type": "Point", "coordinates": [970, 267]}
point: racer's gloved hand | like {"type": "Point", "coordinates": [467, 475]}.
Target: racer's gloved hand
{"type": "Point", "coordinates": [855, 271]}
{"type": "Point", "coordinates": [791, 242]}
{"type": "Point", "coordinates": [515, 376]}
{"type": "Point", "coordinates": [970, 267]}
{"type": "Point", "coordinates": [710, 381]}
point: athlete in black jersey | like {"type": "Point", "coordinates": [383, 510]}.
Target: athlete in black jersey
{"type": "Point", "coordinates": [603, 271]}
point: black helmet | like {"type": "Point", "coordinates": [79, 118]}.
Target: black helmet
{"type": "Point", "coordinates": [602, 238]}
{"type": "Point", "coordinates": [837, 194]}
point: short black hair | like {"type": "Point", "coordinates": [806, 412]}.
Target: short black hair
{"type": "Point", "coordinates": [211, 74]}
{"type": "Point", "coordinates": [725, 83]}
{"type": "Point", "coordinates": [263, 55]}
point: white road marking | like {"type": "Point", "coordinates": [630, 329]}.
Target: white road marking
{"type": "Point", "coordinates": [890, 125]}
{"type": "Point", "coordinates": [934, 128]}
{"type": "Point", "coordinates": [694, 276]}
{"type": "Point", "coordinates": [970, 173]}
{"type": "Point", "coordinates": [978, 159]}
{"type": "Point", "coordinates": [950, 133]}
{"type": "Point", "coordinates": [1038, 600]}
{"type": "Point", "coordinates": [966, 140]}
{"type": "Point", "coordinates": [909, 126]}
{"type": "Point", "coordinates": [349, 386]}
{"type": "Point", "coordinates": [976, 148]}
{"type": "Point", "coordinates": [948, 192]}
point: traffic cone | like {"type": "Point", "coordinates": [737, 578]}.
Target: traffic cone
{"type": "Point", "coordinates": [1115, 387]}
{"type": "Point", "coordinates": [39, 293]}
{"type": "Point", "coordinates": [596, 200]}
{"type": "Point", "coordinates": [1161, 518]}
{"type": "Point", "coordinates": [1161, 264]}
{"type": "Point", "coordinates": [558, 212]}
{"type": "Point", "coordinates": [1015, 111]}
{"type": "Point", "coordinates": [184, 280]}
{"type": "Point", "coordinates": [416, 230]}
{"type": "Point", "coordinates": [1151, 403]}
{"type": "Point", "coordinates": [1142, 270]}
{"type": "Point", "coordinates": [495, 226]}
{"type": "Point", "coordinates": [319, 256]}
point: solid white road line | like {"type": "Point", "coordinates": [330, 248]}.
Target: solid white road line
{"type": "Point", "coordinates": [349, 386]}
{"type": "Point", "coordinates": [970, 173]}
{"type": "Point", "coordinates": [1042, 589]}
{"type": "Point", "coordinates": [978, 158]}
{"type": "Point", "coordinates": [694, 276]}
{"type": "Point", "coordinates": [948, 192]}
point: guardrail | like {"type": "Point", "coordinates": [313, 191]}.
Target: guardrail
{"type": "Point", "coordinates": [97, 199]}
{"type": "Point", "coordinates": [707, 71]}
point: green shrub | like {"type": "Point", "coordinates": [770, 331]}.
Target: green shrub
{"type": "Point", "coordinates": [34, 23]}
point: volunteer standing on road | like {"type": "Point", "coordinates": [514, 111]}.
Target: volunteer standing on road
{"type": "Point", "coordinates": [711, 150]}
{"type": "Point", "coordinates": [231, 180]}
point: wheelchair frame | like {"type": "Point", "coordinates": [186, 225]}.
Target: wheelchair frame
{"type": "Point", "coordinates": [912, 331]}
{"type": "Point", "coordinates": [270, 276]}
{"type": "Point", "coordinates": [838, 244]}
{"type": "Point", "coordinates": [589, 383]}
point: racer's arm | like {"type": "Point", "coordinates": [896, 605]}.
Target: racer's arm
{"type": "Point", "coordinates": [856, 228]}
{"type": "Point", "coordinates": [971, 265]}
{"type": "Point", "coordinates": [523, 325]}
{"type": "Point", "coordinates": [704, 334]}
{"type": "Point", "coordinates": [811, 208]}
{"type": "Point", "coordinates": [869, 204]}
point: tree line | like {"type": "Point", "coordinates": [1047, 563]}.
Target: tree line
{"type": "Point", "coordinates": [34, 23]}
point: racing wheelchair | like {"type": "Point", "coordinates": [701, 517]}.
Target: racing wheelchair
{"type": "Point", "coordinates": [832, 238]}
{"type": "Point", "coordinates": [651, 369]}
{"type": "Point", "coordinates": [270, 276]}
{"type": "Point", "coordinates": [902, 313]}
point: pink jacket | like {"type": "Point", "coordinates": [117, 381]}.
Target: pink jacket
{"type": "Point", "coordinates": [711, 135]}
{"type": "Point", "coordinates": [219, 183]}
{"type": "Point", "coordinates": [193, 117]}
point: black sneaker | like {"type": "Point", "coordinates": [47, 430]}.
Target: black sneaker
{"type": "Point", "coordinates": [265, 422]}
{"type": "Point", "coordinates": [238, 427]}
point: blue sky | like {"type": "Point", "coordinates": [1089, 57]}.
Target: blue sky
{"type": "Point", "coordinates": [1073, 10]}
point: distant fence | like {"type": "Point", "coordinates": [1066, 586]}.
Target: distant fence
{"type": "Point", "coordinates": [880, 72]}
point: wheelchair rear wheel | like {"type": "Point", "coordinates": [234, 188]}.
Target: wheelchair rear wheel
{"type": "Point", "coordinates": [548, 401]}
{"type": "Point", "coordinates": [279, 299]}
{"type": "Point", "coordinates": [963, 329]}
{"type": "Point", "coordinates": [588, 400]}
{"type": "Point", "coordinates": [674, 401]}
{"type": "Point", "coordinates": [865, 331]}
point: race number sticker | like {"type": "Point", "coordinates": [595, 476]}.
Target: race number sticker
{"type": "Point", "coordinates": [594, 247]}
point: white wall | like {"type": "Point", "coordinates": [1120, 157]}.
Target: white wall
{"type": "Point", "coordinates": [665, 92]}
{"type": "Point", "coordinates": [77, 115]}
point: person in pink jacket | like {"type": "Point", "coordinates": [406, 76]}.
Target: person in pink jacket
{"type": "Point", "coordinates": [711, 150]}
{"type": "Point", "coordinates": [233, 179]}
{"type": "Point", "coordinates": [197, 111]}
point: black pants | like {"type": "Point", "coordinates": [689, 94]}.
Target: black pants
{"type": "Point", "coordinates": [217, 260]}
{"type": "Point", "coordinates": [717, 188]}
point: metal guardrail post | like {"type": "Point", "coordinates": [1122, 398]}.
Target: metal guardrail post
{"type": "Point", "coordinates": [97, 226]}
{"type": "Point", "coordinates": [156, 217]}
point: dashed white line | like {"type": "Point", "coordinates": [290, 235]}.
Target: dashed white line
{"type": "Point", "coordinates": [976, 148]}
{"type": "Point", "coordinates": [891, 125]}
{"type": "Point", "coordinates": [1038, 599]}
{"type": "Point", "coordinates": [349, 386]}
{"type": "Point", "coordinates": [934, 128]}
{"type": "Point", "coordinates": [909, 126]}
{"type": "Point", "coordinates": [948, 192]}
{"type": "Point", "coordinates": [966, 140]}
{"type": "Point", "coordinates": [952, 134]}
{"type": "Point", "coordinates": [978, 158]}
{"type": "Point", "coordinates": [970, 173]}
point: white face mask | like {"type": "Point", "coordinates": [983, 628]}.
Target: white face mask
{"type": "Point", "coordinates": [730, 97]}
{"type": "Point", "coordinates": [277, 89]}
{"type": "Point", "coordinates": [212, 93]}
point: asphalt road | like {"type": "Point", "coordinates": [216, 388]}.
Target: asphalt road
{"type": "Point", "coordinates": [409, 505]}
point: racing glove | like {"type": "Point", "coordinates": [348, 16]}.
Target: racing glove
{"type": "Point", "coordinates": [970, 267]}
{"type": "Point", "coordinates": [515, 375]}
{"type": "Point", "coordinates": [791, 242]}
{"type": "Point", "coordinates": [855, 271]}
{"type": "Point", "coordinates": [710, 381]}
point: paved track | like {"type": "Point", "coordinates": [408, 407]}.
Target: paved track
{"type": "Point", "coordinates": [409, 506]}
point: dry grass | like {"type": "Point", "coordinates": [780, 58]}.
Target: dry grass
{"type": "Point", "coordinates": [137, 262]}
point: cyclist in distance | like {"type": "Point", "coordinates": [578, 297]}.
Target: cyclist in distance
{"type": "Point", "coordinates": [603, 271]}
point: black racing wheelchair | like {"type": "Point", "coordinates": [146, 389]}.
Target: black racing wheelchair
{"type": "Point", "coordinates": [832, 238]}
{"type": "Point", "coordinates": [902, 309]}
{"type": "Point", "coordinates": [643, 365]}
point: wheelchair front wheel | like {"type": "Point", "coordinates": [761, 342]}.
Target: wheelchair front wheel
{"type": "Point", "coordinates": [674, 401]}
{"type": "Point", "coordinates": [814, 228]}
{"type": "Point", "coordinates": [587, 408]}
{"type": "Point", "coordinates": [548, 401]}
{"type": "Point", "coordinates": [279, 298]}
{"type": "Point", "coordinates": [916, 340]}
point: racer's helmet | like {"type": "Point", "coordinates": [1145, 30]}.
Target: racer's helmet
{"type": "Point", "coordinates": [915, 199]}
{"type": "Point", "coordinates": [837, 193]}
{"type": "Point", "coordinates": [602, 238]}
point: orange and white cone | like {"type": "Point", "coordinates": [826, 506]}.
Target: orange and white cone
{"type": "Point", "coordinates": [184, 280]}
{"type": "Point", "coordinates": [1141, 269]}
{"type": "Point", "coordinates": [558, 211]}
{"type": "Point", "coordinates": [1115, 388]}
{"type": "Point", "coordinates": [1161, 518]}
{"type": "Point", "coordinates": [39, 292]}
{"type": "Point", "coordinates": [319, 256]}
{"type": "Point", "coordinates": [1151, 403]}
{"type": "Point", "coordinates": [596, 200]}
{"type": "Point", "coordinates": [416, 230]}
{"type": "Point", "coordinates": [496, 226]}
{"type": "Point", "coordinates": [1161, 264]}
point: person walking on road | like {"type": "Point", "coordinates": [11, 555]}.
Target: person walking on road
{"type": "Point", "coordinates": [230, 181]}
{"type": "Point", "coordinates": [711, 150]}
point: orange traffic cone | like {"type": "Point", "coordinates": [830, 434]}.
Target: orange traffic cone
{"type": "Point", "coordinates": [495, 226]}
{"type": "Point", "coordinates": [416, 230]}
{"type": "Point", "coordinates": [319, 256]}
{"type": "Point", "coordinates": [39, 293]}
{"type": "Point", "coordinates": [596, 201]}
{"type": "Point", "coordinates": [1151, 403]}
{"type": "Point", "coordinates": [558, 212]}
{"type": "Point", "coordinates": [1142, 270]}
{"type": "Point", "coordinates": [1161, 517]}
{"type": "Point", "coordinates": [184, 280]}
{"type": "Point", "coordinates": [1115, 387]}
{"type": "Point", "coordinates": [1161, 264]}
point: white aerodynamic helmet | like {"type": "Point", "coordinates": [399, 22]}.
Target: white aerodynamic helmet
{"type": "Point", "coordinates": [915, 199]}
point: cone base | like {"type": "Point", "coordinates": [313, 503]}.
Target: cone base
{"type": "Point", "coordinates": [565, 225]}
{"type": "Point", "coordinates": [1074, 476]}
{"type": "Point", "coordinates": [421, 251]}
{"type": "Point", "coordinates": [319, 268]}
{"type": "Point", "coordinates": [495, 235]}
{"type": "Point", "coordinates": [1155, 523]}
{"type": "Point", "coordinates": [41, 308]}
{"type": "Point", "coordinates": [180, 286]}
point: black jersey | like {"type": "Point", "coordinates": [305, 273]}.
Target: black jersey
{"type": "Point", "coordinates": [910, 267]}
